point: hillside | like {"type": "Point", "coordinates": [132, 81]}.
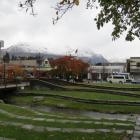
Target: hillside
{"type": "Point", "coordinates": [25, 49]}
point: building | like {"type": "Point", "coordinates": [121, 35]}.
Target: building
{"type": "Point", "coordinates": [45, 63]}
{"type": "Point", "coordinates": [24, 63]}
{"type": "Point", "coordinates": [31, 64]}
{"type": "Point", "coordinates": [133, 67]}
{"type": "Point", "coordinates": [102, 71]}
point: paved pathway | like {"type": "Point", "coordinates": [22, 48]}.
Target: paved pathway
{"type": "Point", "coordinates": [14, 85]}
{"type": "Point", "coordinates": [3, 138]}
{"type": "Point", "coordinates": [136, 133]}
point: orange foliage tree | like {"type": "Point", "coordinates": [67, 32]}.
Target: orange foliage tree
{"type": "Point", "coordinates": [18, 70]}
{"type": "Point", "coordinates": [69, 67]}
{"type": "Point", "coordinates": [11, 71]}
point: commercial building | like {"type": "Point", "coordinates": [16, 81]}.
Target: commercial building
{"type": "Point", "coordinates": [102, 71]}
{"type": "Point", "coordinates": [133, 67]}
{"type": "Point", "coordinates": [32, 64]}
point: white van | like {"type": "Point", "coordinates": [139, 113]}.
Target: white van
{"type": "Point", "coordinates": [129, 78]}
{"type": "Point", "coordinates": [116, 79]}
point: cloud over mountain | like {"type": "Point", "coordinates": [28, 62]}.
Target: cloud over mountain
{"type": "Point", "coordinates": [27, 49]}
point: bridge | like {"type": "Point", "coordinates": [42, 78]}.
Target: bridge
{"type": "Point", "coordinates": [13, 87]}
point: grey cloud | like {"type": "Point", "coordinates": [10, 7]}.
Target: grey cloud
{"type": "Point", "coordinates": [76, 29]}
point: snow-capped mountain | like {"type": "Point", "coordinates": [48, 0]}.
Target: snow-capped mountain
{"type": "Point", "coordinates": [26, 49]}
{"type": "Point", "coordinates": [23, 48]}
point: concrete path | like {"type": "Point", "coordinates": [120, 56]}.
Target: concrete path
{"type": "Point", "coordinates": [136, 132]}
{"type": "Point", "coordinates": [3, 138]}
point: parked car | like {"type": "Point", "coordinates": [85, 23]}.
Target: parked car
{"type": "Point", "coordinates": [129, 78]}
{"type": "Point", "coordinates": [30, 76]}
{"type": "Point", "coordinates": [116, 79]}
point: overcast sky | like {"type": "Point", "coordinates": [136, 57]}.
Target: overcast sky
{"type": "Point", "coordinates": [76, 29]}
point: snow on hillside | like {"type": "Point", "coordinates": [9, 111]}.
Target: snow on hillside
{"type": "Point", "coordinates": [26, 49]}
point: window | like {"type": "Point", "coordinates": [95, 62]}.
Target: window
{"type": "Point", "coordinates": [46, 62]}
{"type": "Point", "coordinates": [118, 77]}
{"type": "Point", "coordinates": [138, 64]}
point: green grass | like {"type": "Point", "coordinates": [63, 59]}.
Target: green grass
{"type": "Point", "coordinates": [115, 85]}
{"type": "Point", "coordinates": [17, 110]}
{"type": "Point", "coordinates": [96, 96]}
{"type": "Point", "coordinates": [21, 134]}
{"type": "Point", "coordinates": [48, 115]}
{"type": "Point", "coordinates": [135, 92]}
{"type": "Point", "coordinates": [18, 133]}
{"type": "Point", "coordinates": [87, 95]}
{"type": "Point", "coordinates": [50, 101]}
{"type": "Point", "coordinates": [94, 107]}
{"type": "Point", "coordinates": [58, 124]}
{"type": "Point", "coordinates": [6, 117]}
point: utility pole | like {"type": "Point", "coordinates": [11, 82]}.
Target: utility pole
{"type": "Point", "coordinates": [4, 74]}
{"type": "Point", "coordinates": [6, 59]}
{"type": "Point", "coordinates": [1, 46]}
{"type": "Point", "coordinates": [1, 61]}
{"type": "Point", "coordinates": [39, 62]}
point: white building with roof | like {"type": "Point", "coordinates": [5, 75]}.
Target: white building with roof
{"type": "Point", "coordinates": [101, 72]}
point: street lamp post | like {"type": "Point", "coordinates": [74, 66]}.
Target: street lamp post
{"type": "Point", "coordinates": [6, 59]}
{"type": "Point", "coordinates": [1, 45]}
{"type": "Point", "coordinates": [4, 73]}
{"type": "Point", "coordinates": [39, 62]}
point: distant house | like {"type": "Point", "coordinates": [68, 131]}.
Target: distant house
{"type": "Point", "coordinates": [133, 67]}
{"type": "Point", "coordinates": [102, 71]}
{"type": "Point", "coordinates": [24, 63]}
{"type": "Point", "coordinates": [45, 63]}
{"type": "Point", "coordinates": [32, 64]}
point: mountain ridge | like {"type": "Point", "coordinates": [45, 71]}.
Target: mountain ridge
{"type": "Point", "coordinates": [25, 49]}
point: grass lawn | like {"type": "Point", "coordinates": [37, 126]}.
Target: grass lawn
{"type": "Point", "coordinates": [51, 101]}
{"type": "Point", "coordinates": [86, 95]}
{"type": "Point", "coordinates": [94, 107]}
{"type": "Point", "coordinates": [21, 134]}
{"type": "Point", "coordinates": [17, 110]}
{"type": "Point", "coordinates": [107, 84]}
{"type": "Point", "coordinates": [62, 103]}
{"type": "Point", "coordinates": [40, 118]}
{"type": "Point", "coordinates": [18, 133]}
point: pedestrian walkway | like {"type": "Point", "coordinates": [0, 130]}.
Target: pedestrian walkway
{"type": "Point", "coordinates": [3, 138]}
{"type": "Point", "coordinates": [136, 133]}
{"type": "Point", "coordinates": [13, 86]}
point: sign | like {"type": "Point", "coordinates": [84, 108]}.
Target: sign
{"type": "Point", "coordinates": [1, 43]}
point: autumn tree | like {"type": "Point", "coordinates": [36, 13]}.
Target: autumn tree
{"type": "Point", "coordinates": [13, 71]}
{"type": "Point", "coordinates": [18, 70]}
{"type": "Point", "coordinates": [123, 14]}
{"type": "Point", "coordinates": [69, 67]}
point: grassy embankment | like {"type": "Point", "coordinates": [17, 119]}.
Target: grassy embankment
{"type": "Point", "coordinates": [63, 103]}
{"type": "Point", "coordinates": [13, 118]}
